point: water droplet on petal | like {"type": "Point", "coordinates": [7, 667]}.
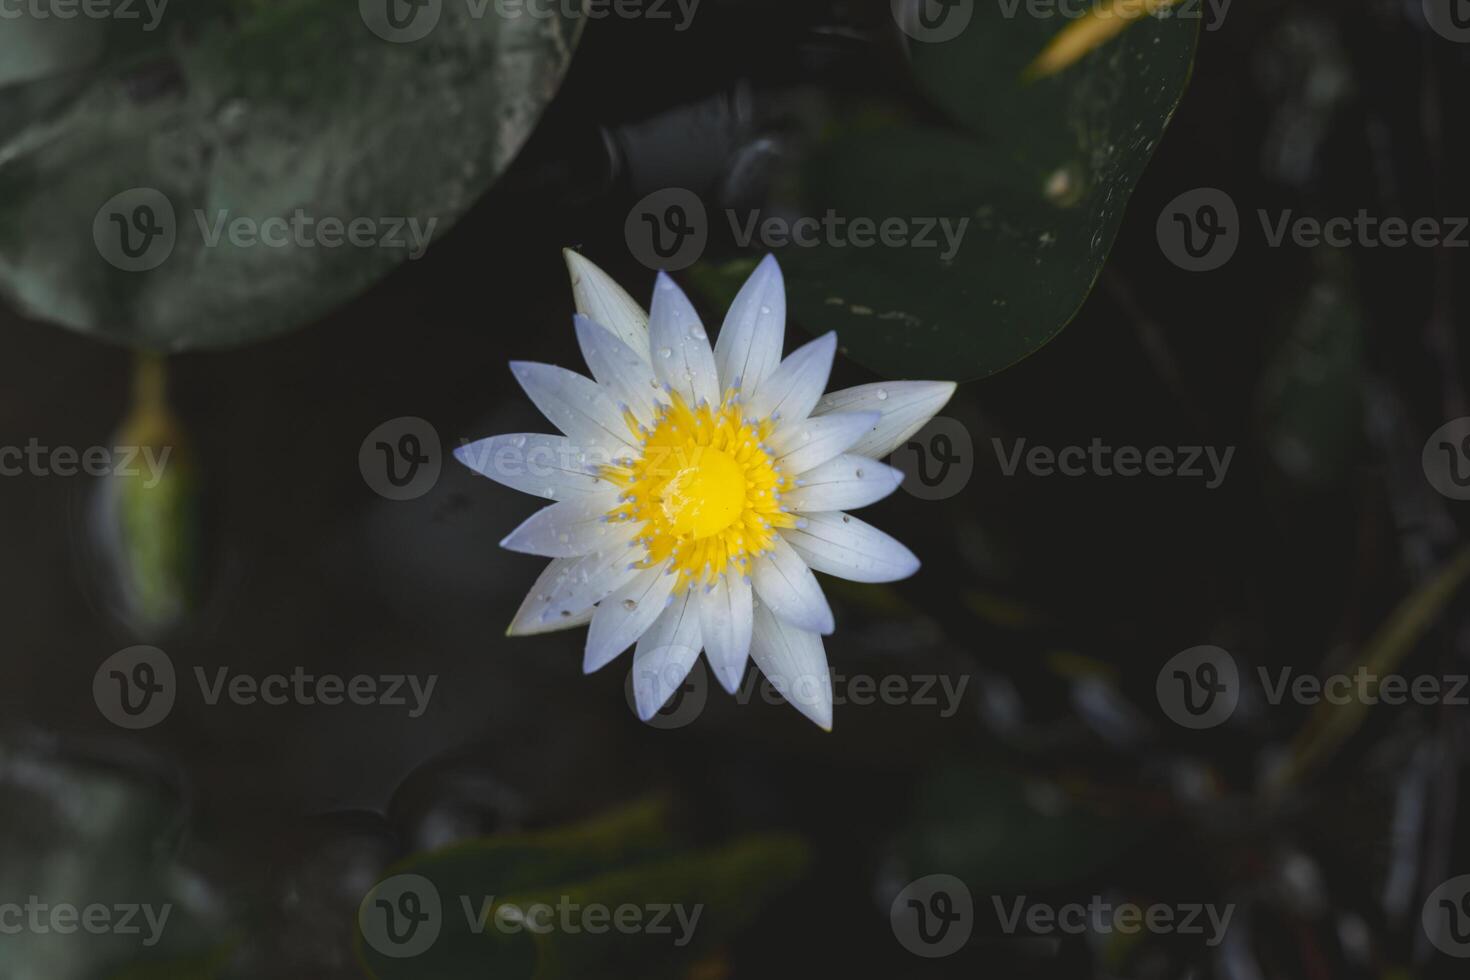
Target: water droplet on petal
{"type": "Point", "coordinates": [665, 352]}
{"type": "Point", "coordinates": [630, 604]}
{"type": "Point", "coordinates": [882, 395]}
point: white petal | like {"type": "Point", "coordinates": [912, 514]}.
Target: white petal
{"type": "Point", "coordinates": [796, 665]}
{"type": "Point", "coordinates": [567, 529]}
{"type": "Point", "coordinates": [576, 405]}
{"type": "Point", "coordinates": [606, 303]}
{"type": "Point", "coordinates": [625, 615]}
{"type": "Point", "coordinates": [725, 623]}
{"type": "Point", "coordinates": [841, 545]}
{"type": "Point", "coordinates": [845, 483]}
{"type": "Point", "coordinates": [664, 655]}
{"type": "Point", "coordinates": [553, 467]}
{"type": "Point", "coordinates": [678, 346]}
{"type": "Point", "coordinates": [792, 390]}
{"type": "Point", "coordinates": [541, 612]}
{"type": "Point", "coordinates": [749, 345]}
{"type": "Point", "coordinates": [789, 589]}
{"type": "Point", "coordinates": [568, 588]}
{"type": "Point", "coordinates": [903, 407]}
{"type": "Point", "coordinates": [620, 369]}
{"type": "Point", "coordinates": [808, 444]}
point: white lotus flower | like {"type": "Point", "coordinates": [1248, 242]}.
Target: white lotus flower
{"type": "Point", "coordinates": [697, 488]}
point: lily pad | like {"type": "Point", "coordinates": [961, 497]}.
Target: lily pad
{"type": "Point", "coordinates": [1008, 212]}
{"type": "Point", "coordinates": [196, 184]}
{"type": "Point", "coordinates": [561, 902]}
{"type": "Point", "coordinates": [1000, 834]}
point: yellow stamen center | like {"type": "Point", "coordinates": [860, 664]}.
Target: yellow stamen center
{"type": "Point", "coordinates": [706, 496]}
{"type": "Point", "coordinates": [705, 489]}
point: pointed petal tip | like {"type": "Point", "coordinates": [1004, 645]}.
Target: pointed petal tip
{"type": "Point", "coordinates": [825, 345]}
{"type": "Point", "coordinates": [913, 565]}
{"type": "Point", "coordinates": [818, 714]}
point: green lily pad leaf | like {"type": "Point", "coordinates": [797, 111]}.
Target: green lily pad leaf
{"type": "Point", "coordinates": [208, 965]}
{"type": "Point", "coordinates": [562, 903]}
{"type": "Point", "coordinates": [1000, 224]}
{"type": "Point", "coordinates": [94, 835]}
{"type": "Point", "coordinates": [31, 48]}
{"type": "Point", "coordinates": [997, 832]}
{"type": "Point", "coordinates": [242, 168]}
{"type": "Point", "coordinates": [659, 914]}
{"type": "Point", "coordinates": [496, 866]}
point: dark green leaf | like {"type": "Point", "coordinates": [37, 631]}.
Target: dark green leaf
{"type": "Point", "coordinates": [1035, 173]}
{"type": "Point", "coordinates": [256, 111]}
{"type": "Point", "coordinates": [1002, 834]}
{"type": "Point", "coordinates": [628, 858]}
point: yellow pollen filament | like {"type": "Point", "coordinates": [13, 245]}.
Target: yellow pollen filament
{"type": "Point", "coordinates": [705, 489]}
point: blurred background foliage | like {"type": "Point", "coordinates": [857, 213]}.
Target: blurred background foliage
{"type": "Point", "coordinates": [1058, 600]}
